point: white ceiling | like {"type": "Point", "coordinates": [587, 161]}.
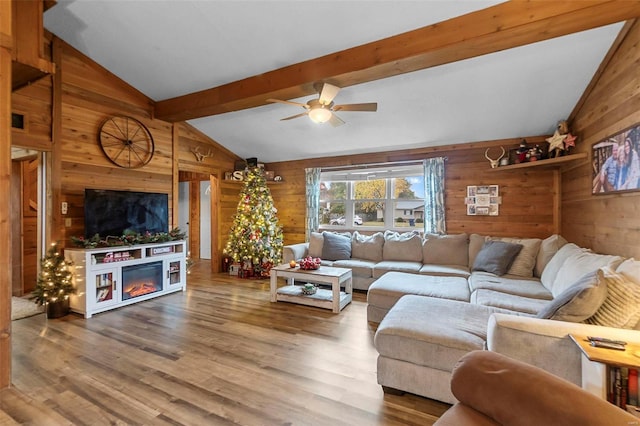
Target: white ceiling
{"type": "Point", "coordinates": [171, 48]}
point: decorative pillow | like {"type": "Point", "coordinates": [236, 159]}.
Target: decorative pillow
{"type": "Point", "coordinates": [315, 244]}
{"type": "Point", "coordinates": [550, 271]}
{"type": "Point", "coordinates": [496, 257]}
{"type": "Point", "coordinates": [335, 247]}
{"type": "Point", "coordinates": [367, 247]}
{"type": "Point", "coordinates": [579, 301]}
{"type": "Point", "coordinates": [579, 264]}
{"type": "Point", "coordinates": [525, 261]}
{"type": "Point", "coordinates": [406, 247]}
{"type": "Point", "coordinates": [475, 244]}
{"type": "Point", "coordinates": [621, 307]}
{"type": "Point", "coordinates": [446, 249]}
{"type": "Point", "coordinates": [548, 248]}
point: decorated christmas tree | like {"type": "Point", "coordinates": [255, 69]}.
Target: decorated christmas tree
{"type": "Point", "coordinates": [55, 280]}
{"type": "Point", "coordinates": [255, 240]}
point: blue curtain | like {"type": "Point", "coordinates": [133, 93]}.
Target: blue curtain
{"type": "Point", "coordinates": [313, 200]}
{"type": "Point", "coordinates": [434, 221]}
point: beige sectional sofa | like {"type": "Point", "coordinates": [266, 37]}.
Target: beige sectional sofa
{"type": "Point", "coordinates": [432, 312]}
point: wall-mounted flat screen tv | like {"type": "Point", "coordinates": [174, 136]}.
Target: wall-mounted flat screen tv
{"type": "Point", "coordinates": [111, 213]}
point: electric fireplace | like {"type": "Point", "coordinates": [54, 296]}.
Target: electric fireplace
{"type": "Point", "coordinates": [138, 280]}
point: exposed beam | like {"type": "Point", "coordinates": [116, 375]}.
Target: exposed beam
{"type": "Point", "coordinates": [504, 26]}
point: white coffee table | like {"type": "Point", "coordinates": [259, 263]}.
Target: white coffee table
{"type": "Point", "coordinates": [333, 299]}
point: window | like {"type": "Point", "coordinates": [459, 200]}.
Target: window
{"type": "Point", "coordinates": [386, 198]}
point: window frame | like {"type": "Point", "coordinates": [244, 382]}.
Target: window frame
{"type": "Point", "coordinates": [392, 172]}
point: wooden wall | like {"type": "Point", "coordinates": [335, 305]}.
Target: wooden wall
{"type": "Point", "coordinates": [528, 196]}
{"type": "Point", "coordinates": [605, 223]}
{"type": "Point", "coordinates": [84, 94]}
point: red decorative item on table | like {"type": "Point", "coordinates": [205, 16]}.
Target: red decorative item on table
{"type": "Point", "coordinates": [310, 263]}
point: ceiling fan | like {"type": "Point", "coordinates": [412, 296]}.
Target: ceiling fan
{"type": "Point", "coordinates": [323, 109]}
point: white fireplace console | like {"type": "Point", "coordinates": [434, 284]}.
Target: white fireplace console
{"type": "Point", "coordinates": [110, 277]}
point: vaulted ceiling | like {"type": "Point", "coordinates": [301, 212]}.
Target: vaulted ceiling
{"type": "Point", "coordinates": [442, 72]}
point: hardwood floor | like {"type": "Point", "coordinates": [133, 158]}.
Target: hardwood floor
{"type": "Point", "coordinates": [219, 353]}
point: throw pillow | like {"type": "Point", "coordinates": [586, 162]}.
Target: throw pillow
{"type": "Point", "coordinates": [367, 247]}
{"type": "Point", "coordinates": [315, 244]}
{"type": "Point", "coordinates": [550, 271]}
{"type": "Point", "coordinates": [475, 244]}
{"type": "Point", "coordinates": [496, 257]}
{"type": "Point", "coordinates": [579, 301]}
{"type": "Point", "coordinates": [446, 249]}
{"type": "Point", "coordinates": [335, 247]}
{"type": "Point", "coordinates": [525, 261]}
{"type": "Point", "coordinates": [548, 248]}
{"type": "Point", "coordinates": [405, 247]}
{"type": "Point", "coordinates": [621, 307]}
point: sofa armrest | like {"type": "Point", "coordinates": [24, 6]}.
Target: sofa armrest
{"type": "Point", "coordinates": [546, 343]}
{"type": "Point", "coordinates": [294, 252]}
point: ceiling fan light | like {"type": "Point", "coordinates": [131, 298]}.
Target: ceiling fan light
{"type": "Point", "coordinates": [320, 115]}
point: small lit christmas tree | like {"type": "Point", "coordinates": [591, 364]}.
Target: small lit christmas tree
{"type": "Point", "coordinates": [255, 239]}
{"type": "Point", "coordinates": [55, 280]}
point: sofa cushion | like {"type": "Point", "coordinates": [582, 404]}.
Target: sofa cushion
{"type": "Point", "coordinates": [496, 257]}
{"type": "Point", "coordinates": [315, 244]}
{"type": "Point", "coordinates": [359, 267]}
{"type": "Point", "coordinates": [579, 301]}
{"type": "Point", "coordinates": [385, 266]}
{"type": "Point", "coordinates": [510, 302]}
{"type": "Point", "coordinates": [509, 284]}
{"type": "Point", "coordinates": [621, 307]}
{"type": "Point", "coordinates": [431, 331]}
{"type": "Point", "coordinates": [579, 264]}
{"type": "Point", "coordinates": [404, 247]}
{"type": "Point", "coordinates": [367, 247]}
{"type": "Point", "coordinates": [548, 248]}
{"type": "Point", "coordinates": [388, 289]}
{"type": "Point", "coordinates": [445, 270]}
{"type": "Point", "coordinates": [550, 272]}
{"type": "Point", "coordinates": [335, 247]}
{"type": "Point", "coordinates": [525, 261]}
{"type": "Point", "coordinates": [445, 249]}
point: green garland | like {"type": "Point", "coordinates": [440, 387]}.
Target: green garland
{"type": "Point", "coordinates": [129, 239]}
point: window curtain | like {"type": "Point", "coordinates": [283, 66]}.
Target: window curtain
{"type": "Point", "coordinates": [434, 221]}
{"type": "Point", "coordinates": [313, 200]}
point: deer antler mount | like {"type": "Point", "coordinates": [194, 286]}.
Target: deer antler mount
{"type": "Point", "coordinates": [200, 156]}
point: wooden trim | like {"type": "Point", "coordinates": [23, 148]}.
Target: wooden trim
{"type": "Point", "coordinates": [504, 26]}
{"type": "Point", "coordinates": [5, 189]}
{"type": "Point", "coordinates": [56, 229]}
{"type": "Point", "coordinates": [175, 180]}
{"type": "Point", "coordinates": [215, 209]}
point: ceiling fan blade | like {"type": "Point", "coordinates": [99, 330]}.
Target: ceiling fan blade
{"type": "Point", "coordinates": [335, 121]}
{"type": "Point", "coordinates": [329, 91]}
{"type": "Point", "coordinates": [305, 106]}
{"type": "Point", "coordinates": [294, 116]}
{"type": "Point", "coordinates": [370, 107]}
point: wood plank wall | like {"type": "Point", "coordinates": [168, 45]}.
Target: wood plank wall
{"type": "Point", "coordinates": [606, 223]}
{"type": "Point", "coordinates": [527, 208]}
{"type": "Point", "coordinates": [90, 94]}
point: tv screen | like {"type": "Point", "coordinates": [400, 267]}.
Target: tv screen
{"type": "Point", "coordinates": [111, 213]}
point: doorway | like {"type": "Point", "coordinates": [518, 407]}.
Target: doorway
{"type": "Point", "coordinates": [27, 169]}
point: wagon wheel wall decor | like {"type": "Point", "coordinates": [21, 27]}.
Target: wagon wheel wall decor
{"type": "Point", "coordinates": [126, 142]}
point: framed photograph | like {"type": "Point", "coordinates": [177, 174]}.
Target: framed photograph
{"type": "Point", "coordinates": [483, 200]}
{"type": "Point", "coordinates": [616, 163]}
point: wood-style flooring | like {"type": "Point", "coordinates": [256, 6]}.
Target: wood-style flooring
{"type": "Point", "coordinates": [218, 354]}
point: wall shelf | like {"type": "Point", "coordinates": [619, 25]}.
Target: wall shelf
{"type": "Point", "coordinates": [542, 164]}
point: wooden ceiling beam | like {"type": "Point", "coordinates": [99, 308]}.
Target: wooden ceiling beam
{"type": "Point", "coordinates": [504, 26]}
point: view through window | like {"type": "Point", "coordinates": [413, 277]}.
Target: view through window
{"type": "Point", "coordinates": [384, 197]}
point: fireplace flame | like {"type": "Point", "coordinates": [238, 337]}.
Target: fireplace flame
{"type": "Point", "coordinates": [139, 289]}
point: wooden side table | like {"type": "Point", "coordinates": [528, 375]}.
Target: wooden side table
{"type": "Point", "coordinates": [596, 360]}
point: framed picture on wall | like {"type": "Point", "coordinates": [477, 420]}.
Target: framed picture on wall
{"type": "Point", "coordinates": [616, 162]}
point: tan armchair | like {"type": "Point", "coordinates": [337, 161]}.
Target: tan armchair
{"type": "Point", "coordinates": [493, 389]}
